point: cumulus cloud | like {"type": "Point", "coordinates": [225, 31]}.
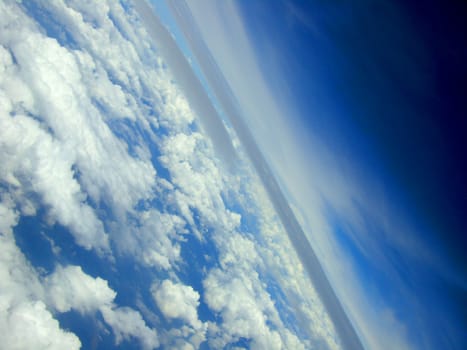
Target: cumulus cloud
{"type": "Point", "coordinates": [244, 307]}
{"type": "Point", "coordinates": [127, 323]}
{"type": "Point", "coordinates": [198, 179]}
{"type": "Point", "coordinates": [69, 288]}
{"type": "Point", "coordinates": [30, 325]}
{"type": "Point", "coordinates": [25, 321]}
{"type": "Point", "coordinates": [176, 300]}
{"type": "Point", "coordinates": [155, 241]}
{"type": "Point", "coordinates": [34, 162]}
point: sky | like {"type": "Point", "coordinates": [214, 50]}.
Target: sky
{"type": "Point", "coordinates": [259, 175]}
{"type": "Point", "coordinates": [364, 102]}
{"type": "Point", "coordinates": [120, 224]}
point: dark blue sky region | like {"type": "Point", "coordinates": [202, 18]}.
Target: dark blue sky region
{"type": "Point", "coordinates": [385, 83]}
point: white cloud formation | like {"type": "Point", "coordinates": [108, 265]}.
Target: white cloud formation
{"type": "Point", "coordinates": [69, 288]}
{"type": "Point", "coordinates": [127, 323]}
{"type": "Point", "coordinates": [29, 325]}
{"type": "Point", "coordinates": [155, 241]}
{"type": "Point", "coordinates": [34, 162]}
{"type": "Point", "coordinates": [243, 309]}
{"type": "Point", "coordinates": [237, 292]}
{"type": "Point", "coordinates": [176, 300]}
{"type": "Point", "coordinates": [25, 321]}
{"type": "Point", "coordinates": [198, 179]}
{"type": "Point", "coordinates": [201, 185]}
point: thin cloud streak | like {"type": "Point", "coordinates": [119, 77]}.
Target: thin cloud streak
{"type": "Point", "coordinates": [190, 84]}
{"type": "Point", "coordinates": [223, 93]}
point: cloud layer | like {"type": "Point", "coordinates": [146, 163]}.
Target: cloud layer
{"type": "Point", "coordinates": [108, 157]}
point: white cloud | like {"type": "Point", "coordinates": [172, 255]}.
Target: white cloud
{"type": "Point", "coordinates": [243, 308]}
{"type": "Point", "coordinates": [284, 264]}
{"type": "Point", "coordinates": [33, 161]}
{"type": "Point", "coordinates": [25, 322]}
{"type": "Point", "coordinates": [29, 325]}
{"type": "Point", "coordinates": [201, 185]}
{"type": "Point", "coordinates": [158, 238]}
{"type": "Point", "coordinates": [198, 179]}
{"type": "Point", "coordinates": [69, 288]}
{"type": "Point", "coordinates": [127, 323]}
{"type": "Point", "coordinates": [237, 292]}
{"type": "Point", "coordinates": [176, 300]}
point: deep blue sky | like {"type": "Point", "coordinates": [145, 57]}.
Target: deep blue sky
{"type": "Point", "coordinates": [386, 84]}
{"type": "Point", "coordinates": [390, 82]}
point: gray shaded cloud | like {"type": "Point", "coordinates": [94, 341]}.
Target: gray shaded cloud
{"type": "Point", "coordinates": [190, 84]}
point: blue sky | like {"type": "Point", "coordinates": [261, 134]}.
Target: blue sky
{"type": "Point", "coordinates": [371, 85]}
{"type": "Point", "coordinates": [144, 205]}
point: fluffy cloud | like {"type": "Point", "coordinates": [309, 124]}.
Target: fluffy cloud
{"type": "Point", "coordinates": [70, 288]}
{"type": "Point", "coordinates": [179, 301]}
{"type": "Point", "coordinates": [176, 300]}
{"type": "Point", "coordinates": [155, 240]}
{"type": "Point", "coordinates": [198, 179]}
{"type": "Point", "coordinates": [245, 307]}
{"type": "Point", "coordinates": [25, 321]}
{"type": "Point", "coordinates": [284, 264]}
{"type": "Point", "coordinates": [202, 185]}
{"type": "Point", "coordinates": [29, 325]}
{"type": "Point", "coordinates": [127, 323]}
{"type": "Point", "coordinates": [34, 162]}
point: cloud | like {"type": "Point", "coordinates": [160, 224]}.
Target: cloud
{"type": "Point", "coordinates": [302, 299]}
{"type": "Point", "coordinates": [243, 309]}
{"type": "Point", "coordinates": [33, 161]}
{"type": "Point", "coordinates": [199, 190]}
{"type": "Point", "coordinates": [25, 321]}
{"type": "Point", "coordinates": [69, 288]}
{"type": "Point", "coordinates": [310, 172]}
{"type": "Point", "coordinates": [186, 78]}
{"type": "Point", "coordinates": [159, 236]}
{"type": "Point", "coordinates": [237, 292]}
{"type": "Point", "coordinates": [295, 232]}
{"type": "Point", "coordinates": [127, 323]}
{"type": "Point", "coordinates": [58, 148]}
{"type": "Point", "coordinates": [176, 300]}
{"type": "Point", "coordinates": [199, 180]}
{"type": "Point", "coordinates": [107, 171]}
{"type": "Point", "coordinates": [84, 123]}
{"type": "Point", "coordinates": [29, 325]}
